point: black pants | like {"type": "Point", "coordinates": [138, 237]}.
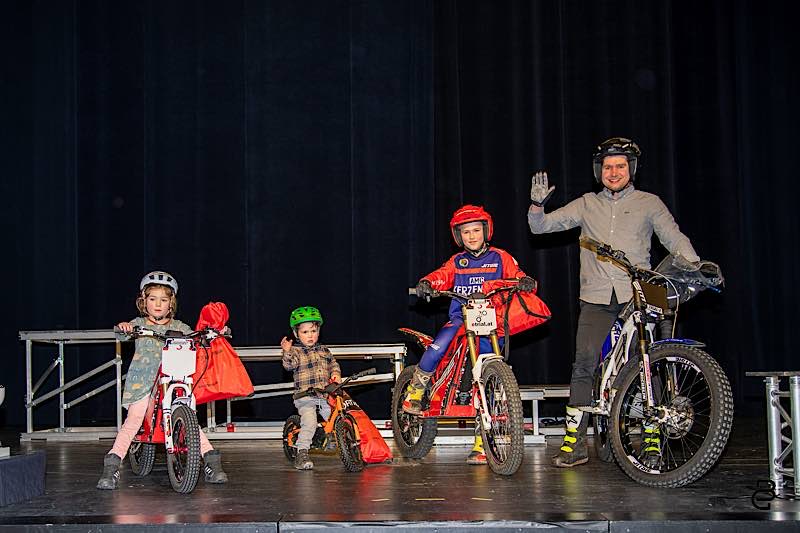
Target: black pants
{"type": "Point", "coordinates": [594, 323]}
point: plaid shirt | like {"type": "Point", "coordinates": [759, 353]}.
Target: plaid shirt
{"type": "Point", "coordinates": [312, 366]}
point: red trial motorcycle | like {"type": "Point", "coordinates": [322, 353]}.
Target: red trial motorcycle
{"type": "Point", "coordinates": [467, 384]}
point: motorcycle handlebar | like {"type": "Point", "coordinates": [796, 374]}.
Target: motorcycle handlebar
{"type": "Point", "coordinates": [412, 291]}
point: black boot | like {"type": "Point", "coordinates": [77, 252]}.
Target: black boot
{"type": "Point", "coordinates": [573, 450]}
{"type": "Point", "coordinates": [110, 477]}
{"type": "Point", "coordinates": [213, 470]}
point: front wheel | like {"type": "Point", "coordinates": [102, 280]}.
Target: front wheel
{"type": "Point", "coordinates": [602, 444]}
{"type": "Point", "coordinates": [348, 443]}
{"type": "Point", "coordinates": [183, 464]}
{"type": "Point", "coordinates": [693, 417]}
{"type": "Point", "coordinates": [413, 435]}
{"type": "Point", "coordinates": [504, 439]}
{"type": "Point", "coordinates": [142, 456]}
{"type": "Point", "coordinates": [291, 428]}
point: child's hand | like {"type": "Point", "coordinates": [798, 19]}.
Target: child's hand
{"type": "Point", "coordinates": [335, 379]}
{"type": "Point", "coordinates": [285, 344]}
{"type": "Point", "coordinates": [125, 327]}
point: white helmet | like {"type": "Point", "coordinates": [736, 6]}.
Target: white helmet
{"type": "Point", "coordinates": [157, 277]}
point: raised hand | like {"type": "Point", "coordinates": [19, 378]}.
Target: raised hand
{"type": "Point", "coordinates": [540, 192]}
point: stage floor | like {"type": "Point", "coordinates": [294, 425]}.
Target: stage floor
{"type": "Point", "coordinates": [442, 492]}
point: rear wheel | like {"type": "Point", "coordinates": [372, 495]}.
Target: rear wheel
{"type": "Point", "coordinates": [413, 435]}
{"type": "Point", "coordinates": [503, 440]}
{"type": "Point", "coordinates": [142, 456]}
{"type": "Point", "coordinates": [290, 430]}
{"type": "Point", "coordinates": [695, 406]}
{"type": "Point", "coordinates": [184, 464]}
{"type": "Point", "coordinates": [349, 446]}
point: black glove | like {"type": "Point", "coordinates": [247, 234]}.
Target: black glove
{"type": "Point", "coordinates": [424, 289]}
{"type": "Point", "coordinates": [527, 284]}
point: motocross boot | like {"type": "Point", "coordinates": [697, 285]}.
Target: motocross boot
{"type": "Point", "coordinates": [213, 470]}
{"type": "Point", "coordinates": [573, 450]}
{"type": "Point", "coordinates": [302, 461]}
{"type": "Point", "coordinates": [651, 446]}
{"type": "Point", "coordinates": [110, 477]}
{"type": "Point", "coordinates": [412, 404]}
{"type": "Point", "coordinates": [477, 456]}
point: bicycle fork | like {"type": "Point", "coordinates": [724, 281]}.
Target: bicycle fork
{"type": "Point", "coordinates": [477, 371]}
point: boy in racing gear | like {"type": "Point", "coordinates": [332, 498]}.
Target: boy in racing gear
{"type": "Point", "coordinates": [465, 272]}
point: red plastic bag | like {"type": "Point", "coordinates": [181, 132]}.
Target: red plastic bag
{"type": "Point", "coordinates": [373, 448]}
{"type": "Point", "coordinates": [220, 374]}
{"type": "Point", "coordinates": [516, 311]}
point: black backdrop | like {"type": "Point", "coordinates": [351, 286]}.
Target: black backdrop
{"type": "Point", "coordinates": [275, 154]}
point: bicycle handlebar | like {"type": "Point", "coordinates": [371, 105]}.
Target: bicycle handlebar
{"type": "Point", "coordinates": [339, 386]}
{"type": "Point", "coordinates": [206, 334]}
{"type": "Point", "coordinates": [462, 297]}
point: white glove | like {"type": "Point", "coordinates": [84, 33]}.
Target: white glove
{"type": "Point", "coordinates": [540, 193]}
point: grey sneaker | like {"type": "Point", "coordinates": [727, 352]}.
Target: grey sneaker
{"type": "Point", "coordinates": [302, 462]}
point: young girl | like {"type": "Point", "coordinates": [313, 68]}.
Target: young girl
{"type": "Point", "coordinates": [157, 305]}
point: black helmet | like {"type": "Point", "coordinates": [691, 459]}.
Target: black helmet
{"type": "Point", "coordinates": [616, 146]}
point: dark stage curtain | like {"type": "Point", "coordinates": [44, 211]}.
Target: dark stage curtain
{"type": "Point", "coordinates": [277, 154]}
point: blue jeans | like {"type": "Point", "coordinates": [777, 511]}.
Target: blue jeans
{"type": "Point", "coordinates": [434, 353]}
{"type": "Point", "coordinates": [307, 408]}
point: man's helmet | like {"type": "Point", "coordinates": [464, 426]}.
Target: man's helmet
{"type": "Point", "coordinates": [304, 314]}
{"type": "Point", "coordinates": [471, 213]}
{"type": "Point", "coordinates": [158, 277]}
{"type": "Point", "coordinates": [616, 146]}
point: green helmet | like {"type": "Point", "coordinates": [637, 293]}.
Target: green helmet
{"type": "Point", "coordinates": [304, 314]}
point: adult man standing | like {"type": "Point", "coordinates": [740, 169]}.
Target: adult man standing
{"type": "Point", "coordinates": [624, 218]}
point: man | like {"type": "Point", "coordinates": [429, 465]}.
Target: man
{"type": "Point", "coordinates": [624, 218]}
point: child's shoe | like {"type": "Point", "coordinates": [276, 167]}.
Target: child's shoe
{"type": "Point", "coordinates": [302, 462]}
{"type": "Point", "coordinates": [110, 477]}
{"type": "Point", "coordinates": [213, 470]}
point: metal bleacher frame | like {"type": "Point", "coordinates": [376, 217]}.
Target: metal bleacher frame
{"type": "Point", "coordinates": [450, 431]}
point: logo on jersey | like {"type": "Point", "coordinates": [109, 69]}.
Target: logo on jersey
{"type": "Point", "coordinates": [476, 280]}
{"type": "Point", "coordinates": [463, 262]}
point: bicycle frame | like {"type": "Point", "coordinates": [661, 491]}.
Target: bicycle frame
{"type": "Point", "coordinates": [480, 320]}
{"type": "Point", "coordinates": [173, 387]}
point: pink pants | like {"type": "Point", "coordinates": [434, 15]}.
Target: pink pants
{"type": "Point", "coordinates": [133, 422]}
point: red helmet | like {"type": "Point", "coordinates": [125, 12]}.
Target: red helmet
{"type": "Point", "coordinates": [471, 213]}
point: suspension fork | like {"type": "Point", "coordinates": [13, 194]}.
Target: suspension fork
{"type": "Point", "coordinates": [477, 371]}
{"type": "Point", "coordinates": [645, 378]}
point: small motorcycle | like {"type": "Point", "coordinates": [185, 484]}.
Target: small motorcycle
{"type": "Point", "coordinates": [466, 384]}
{"type": "Point", "coordinates": [171, 417]}
{"type": "Point", "coordinates": [650, 382]}
{"type": "Point", "coordinates": [340, 429]}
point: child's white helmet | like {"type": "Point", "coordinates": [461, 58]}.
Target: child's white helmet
{"type": "Point", "coordinates": [158, 277]}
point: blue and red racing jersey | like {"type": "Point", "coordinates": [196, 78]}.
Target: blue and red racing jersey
{"type": "Point", "coordinates": [464, 273]}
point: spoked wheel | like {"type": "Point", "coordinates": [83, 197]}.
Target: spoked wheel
{"type": "Point", "coordinates": [602, 444]}
{"type": "Point", "coordinates": [290, 430]}
{"type": "Point", "coordinates": [184, 465]}
{"type": "Point", "coordinates": [348, 443]}
{"type": "Point", "coordinates": [413, 435]}
{"type": "Point", "coordinates": [694, 417]}
{"type": "Point", "coordinates": [142, 456]}
{"type": "Point", "coordinates": [503, 440]}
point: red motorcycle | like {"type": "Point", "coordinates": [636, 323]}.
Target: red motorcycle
{"type": "Point", "coordinates": [171, 417]}
{"type": "Point", "coordinates": [466, 384]}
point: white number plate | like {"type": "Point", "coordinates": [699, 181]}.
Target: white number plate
{"type": "Point", "coordinates": [178, 358]}
{"type": "Point", "coordinates": [481, 317]}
